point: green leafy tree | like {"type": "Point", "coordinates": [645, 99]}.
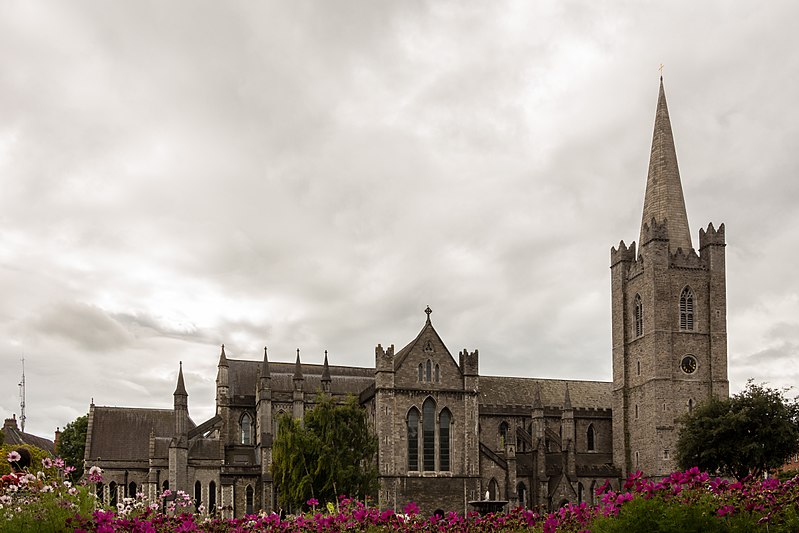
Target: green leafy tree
{"type": "Point", "coordinates": [332, 452]}
{"type": "Point", "coordinates": [752, 432]}
{"type": "Point", "coordinates": [72, 443]}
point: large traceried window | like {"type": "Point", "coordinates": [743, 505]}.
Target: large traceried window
{"type": "Point", "coordinates": [429, 434]}
{"type": "Point", "coordinates": [246, 429]}
{"type": "Point", "coordinates": [687, 309]}
{"type": "Point", "coordinates": [413, 440]}
{"type": "Point", "coordinates": [444, 421]}
{"type": "Point", "coordinates": [638, 313]}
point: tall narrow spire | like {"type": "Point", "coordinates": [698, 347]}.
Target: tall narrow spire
{"type": "Point", "coordinates": [222, 357]}
{"type": "Point", "coordinates": [326, 370]}
{"type": "Point", "coordinates": [298, 367]}
{"type": "Point", "coordinates": [664, 199]}
{"type": "Point", "coordinates": [180, 389]}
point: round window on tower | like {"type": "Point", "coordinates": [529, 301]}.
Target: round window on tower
{"type": "Point", "coordinates": [688, 364]}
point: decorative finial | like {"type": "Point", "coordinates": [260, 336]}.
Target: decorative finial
{"type": "Point", "coordinates": [660, 68]}
{"type": "Point", "coordinates": [428, 311]}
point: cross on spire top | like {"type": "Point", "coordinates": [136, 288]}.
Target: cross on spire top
{"type": "Point", "coordinates": [428, 311]}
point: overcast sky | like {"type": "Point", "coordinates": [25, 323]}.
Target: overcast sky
{"type": "Point", "coordinates": [178, 175]}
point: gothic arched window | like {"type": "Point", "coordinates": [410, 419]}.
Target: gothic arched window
{"type": "Point", "coordinates": [444, 423]}
{"type": "Point", "coordinates": [503, 434]}
{"type": "Point", "coordinates": [246, 429]}
{"type": "Point", "coordinates": [521, 494]}
{"type": "Point", "coordinates": [112, 494]}
{"type": "Point", "coordinates": [687, 309]}
{"type": "Point", "coordinates": [590, 437]}
{"type": "Point", "coordinates": [198, 495]}
{"type": "Point", "coordinates": [132, 489]}
{"type": "Point", "coordinates": [212, 498]}
{"type": "Point", "coordinates": [250, 499]}
{"type": "Point", "coordinates": [429, 434]}
{"type": "Point", "coordinates": [421, 373]}
{"type": "Point", "coordinates": [428, 371]}
{"type": "Point", "coordinates": [413, 440]}
{"type": "Point", "coordinates": [438, 374]}
{"type": "Point", "coordinates": [639, 315]}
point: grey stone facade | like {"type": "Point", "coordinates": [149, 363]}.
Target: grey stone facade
{"type": "Point", "coordinates": [448, 435]}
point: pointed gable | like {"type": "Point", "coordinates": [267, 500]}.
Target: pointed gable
{"type": "Point", "coordinates": [438, 368]}
{"type": "Point", "coordinates": [664, 199]}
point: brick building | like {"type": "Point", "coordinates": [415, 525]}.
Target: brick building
{"type": "Point", "coordinates": [446, 434]}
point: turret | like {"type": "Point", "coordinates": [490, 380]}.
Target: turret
{"type": "Point", "coordinates": [178, 448]}
{"type": "Point", "coordinates": [326, 375]}
{"type": "Point", "coordinates": [384, 367]}
{"type": "Point", "coordinates": [567, 434]}
{"type": "Point", "coordinates": [298, 405]}
{"type": "Point", "coordinates": [264, 406]}
{"type": "Point", "coordinates": [181, 404]}
{"type": "Point", "coordinates": [222, 380]}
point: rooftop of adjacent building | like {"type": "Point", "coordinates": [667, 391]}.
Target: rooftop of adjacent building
{"type": "Point", "coordinates": [12, 435]}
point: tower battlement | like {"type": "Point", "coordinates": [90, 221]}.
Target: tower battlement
{"type": "Point", "coordinates": [711, 237]}
{"type": "Point", "coordinates": [384, 358]}
{"type": "Point", "coordinates": [468, 362]}
{"type": "Point", "coordinates": [683, 259]}
{"type": "Point", "coordinates": [622, 254]}
{"type": "Point", "coordinates": [654, 231]}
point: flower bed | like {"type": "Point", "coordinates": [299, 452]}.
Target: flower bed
{"type": "Point", "coordinates": [684, 501]}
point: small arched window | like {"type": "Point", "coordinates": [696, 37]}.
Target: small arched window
{"type": "Point", "coordinates": [687, 309]}
{"type": "Point", "coordinates": [503, 434]}
{"type": "Point", "coordinates": [212, 498]}
{"type": "Point", "coordinates": [638, 312]}
{"type": "Point", "coordinates": [428, 372]}
{"type": "Point", "coordinates": [438, 374]}
{"type": "Point", "coordinates": [413, 440]}
{"type": "Point", "coordinates": [132, 489]}
{"type": "Point", "coordinates": [590, 438]}
{"type": "Point", "coordinates": [690, 405]}
{"type": "Point", "coordinates": [250, 499]}
{"type": "Point", "coordinates": [246, 429]}
{"type": "Point", "coordinates": [198, 496]}
{"type": "Point", "coordinates": [421, 373]}
{"type": "Point", "coordinates": [100, 495]}
{"type": "Point", "coordinates": [493, 489]}
{"type": "Point", "coordinates": [112, 494]}
{"type": "Point", "coordinates": [521, 494]}
{"type": "Point", "coordinates": [444, 423]}
{"type": "Point", "coordinates": [580, 490]}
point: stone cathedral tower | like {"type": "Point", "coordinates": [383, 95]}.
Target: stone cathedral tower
{"type": "Point", "coordinates": [669, 318]}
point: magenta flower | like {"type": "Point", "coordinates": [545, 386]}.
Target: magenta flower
{"type": "Point", "coordinates": [313, 502]}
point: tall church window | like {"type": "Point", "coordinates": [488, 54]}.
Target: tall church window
{"type": "Point", "coordinates": [429, 434]}
{"type": "Point", "coordinates": [521, 494]}
{"type": "Point", "coordinates": [421, 373]}
{"type": "Point", "coordinates": [590, 438]}
{"type": "Point", "coordinates": [413, 440]}
{"type": "Point", "coordinates": [444, 422]}
{"type": "Point", "coordinates": [99, 490]}
{"type": "Point", "coordinates": [428, 371]}
{"type": "Point", "coordinates": [493, 489]}
{"type": "Point", "coordinates": [132, 489]}
{"type": "Point", "coordinates": [246, 429]}
{"type": "Point", "coordinates": [639, 315]}
{"type": "Point", "coordinates": [112, 494]}
{"type": "Point", "coordinates": [580, 491]}
{"type": "Point", "coordinates": [687, 309]}
{"type": "Point", "coordinates": [250, 499]}
{"type": "Point", "coordinates": [438, 374]}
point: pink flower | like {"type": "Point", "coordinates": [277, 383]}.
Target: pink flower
{"type": "Point", "coordinates": [13, 457]}
{"type": "Point", "coordinates": [313, 502]}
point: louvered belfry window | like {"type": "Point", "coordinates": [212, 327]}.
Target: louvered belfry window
{"type": "Point", "coordinates": [687, 309]}
{"type": "Point", "coordinates": [639, 316]}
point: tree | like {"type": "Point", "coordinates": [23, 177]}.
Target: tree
{"type": "Point", "coordinates": [750, 433]}
{"type": "Point", "coordinates": [72, 443]}
{"type": "Point", "coordinates": [332, 452]}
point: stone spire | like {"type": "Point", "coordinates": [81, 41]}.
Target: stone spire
{"type": "Point", "coordinates": [664, 199]}
{"type": "Point", "coordinates": [180, 390]}
{"type": "Point", "coordinates": [298, 368]}
{"type": "Point", "coordinates": [222, 357]}
{"type": "Point", "coordinates": [326, 370]}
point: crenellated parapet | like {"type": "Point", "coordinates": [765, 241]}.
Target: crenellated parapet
{"type": "Point", "coordinates": [622, 254]}
{"type": "Point", "coordinates": [468, 362]}
{"type": "Point", "coordinates": [711, 237]}
{"type": "Point", "coordinates": [384, 358]}
{"type": "Point", "coordinates": [654, 231]}
{"type": "Point", "coordinates": [681, 259]}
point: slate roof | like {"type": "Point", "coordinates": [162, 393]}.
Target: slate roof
{"type": "Point", "coordinates": [12, 435]}
{"type": "Point", "coordinates": [510, 391]}
{"type": "Point", "coordinates": [123, 433]}
{"type": "Point", "coordinates": [243, 377]}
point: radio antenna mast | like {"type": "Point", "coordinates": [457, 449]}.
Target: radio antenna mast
{"type": "Point", "coordinates": [22, 398]}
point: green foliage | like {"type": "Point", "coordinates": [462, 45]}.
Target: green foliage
{"type": "Point", "coordinates": [72, 443]}
{"type": "Point", "coordinates": [673, 516]}
{"type": "Point", "coordinates": [750, 433]}
{"type": "Point", "coordinates": [2, 438]}
{"type": "Point", "coordinates": [332, 453]}
{"type": "Point", "coordinates": [37, 454]}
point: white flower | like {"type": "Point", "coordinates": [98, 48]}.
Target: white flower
{"type": "Point", "coordinates": [47, 488]}
{"type": "Point", "coordinates": [95, 470]}
{"type": "Point", "coordinates": [13, 457]}
{"type": "Point", "coordinates": [72, 491]}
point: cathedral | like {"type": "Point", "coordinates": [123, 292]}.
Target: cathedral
{"type": "Point", "coordinates": [448, 435]}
